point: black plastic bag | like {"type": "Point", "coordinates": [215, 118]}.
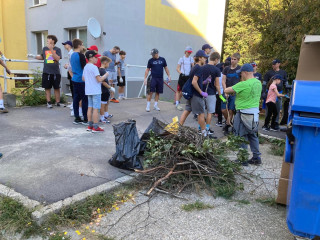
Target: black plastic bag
{"type": "Point", "coordinates": [127, 146]}
{"type": "Point", "coordinates": [157, 127]}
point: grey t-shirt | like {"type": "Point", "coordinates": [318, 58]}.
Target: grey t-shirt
{"type": "Point", "coordinates": [112, 63]}
{"type": "Point", "coordinates": [51, 66]}
{"type": "Point", "coordinates": [122, 66]}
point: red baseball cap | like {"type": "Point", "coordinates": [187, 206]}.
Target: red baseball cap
{"type": "Point", "coordinates": [93, 47]}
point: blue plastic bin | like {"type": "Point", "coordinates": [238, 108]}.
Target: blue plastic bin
{"type": "Point", "coordinates": [303, 151]}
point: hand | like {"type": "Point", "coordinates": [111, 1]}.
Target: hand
{"type": "Point", "coordinates": [204, 94]}
{"type": "Point", "coordinates": [8, 71]}
{"type": "Point", "coordinates": [227, 95]}
{"type": "Point", "coordinates": [169, 79]}
{"type": "Point", "coordinates": [286, 96]}
{"type": "Point", "coordinates": [50, 46]}
{"type": "Point", "coordinates": [66, 66]}
{"type": "Point", "coordinates": [112, 89]}
{"type": "Point", "coordinates": [145, 81]}
{"type": "Point", "coordinates": [222, 98]}
{"type": "Point", "coordinates": [31, 55]}
{"type": "Point", "coordinates": [208, 80]}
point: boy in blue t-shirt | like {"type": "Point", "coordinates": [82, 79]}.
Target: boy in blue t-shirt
{"type": "Point", "coordinates": [156, 64]}
{"type": "Point", "coordinates": [121, 74]}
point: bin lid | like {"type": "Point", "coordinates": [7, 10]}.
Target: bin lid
{"type": "Point", "coordinates": [306, 96]}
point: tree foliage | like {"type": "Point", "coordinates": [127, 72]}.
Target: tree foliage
{"type": "Point", "coordinates": [263, 30]}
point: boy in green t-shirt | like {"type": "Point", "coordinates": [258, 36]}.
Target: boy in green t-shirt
{"type": "Point", "coordinates": [247, 103]}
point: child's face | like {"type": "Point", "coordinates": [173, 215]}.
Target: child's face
{"type": "Point", "coordinates": [278, 81]}
{"type": "Point", "coordinates": [94, 60]}
{"type": "Point", "coordinates": [105, 64]}
{"type": "Point", "coordinates": [122, 57]}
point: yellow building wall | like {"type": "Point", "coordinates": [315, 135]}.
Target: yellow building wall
{"type": "Point", "coordinates": [13, 36]}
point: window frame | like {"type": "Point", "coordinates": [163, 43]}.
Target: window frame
{"type": "Point", "coordinates": [44, 35]}
{"type": "Point", "coordinates": [78, 29]}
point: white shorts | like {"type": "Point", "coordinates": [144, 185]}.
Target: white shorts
{"type": "Point", "coordinates": [112, 77]}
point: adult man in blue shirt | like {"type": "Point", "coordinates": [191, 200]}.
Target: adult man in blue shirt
{"type": "Point", "coordinates": [78, 61]}
{"type": "Point", "coordinates": [112, 77]}
{"type": "Point", "coordinates": [156, 64]}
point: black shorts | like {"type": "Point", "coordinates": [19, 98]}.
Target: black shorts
{"type": "Point", "coordinates": [123, 81]}
{"type": "Point", "coordinates": [105, 96]}
{"type": "Point", "coordinates": [51, 80]}
{"type": "Point", "coordinates": [182, 80]}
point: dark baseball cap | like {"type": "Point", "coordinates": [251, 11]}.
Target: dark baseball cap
{"type": "Point", "coordinates": [205, 46]}
{"type": "Point", "coordinates": [67, 42]}
{"type": "Point", "coordinates": [276, 61]}
{"type": "Point", "coordinates": [201, 53]}
{"type": "Point", "coordinates": [247, 67]}
{"type": "Point", "coordinates": [154, 51]}
{"type": "Point", "coordinates": [277, 76]}
{"type": "Point", "coordinates": [91, 53]}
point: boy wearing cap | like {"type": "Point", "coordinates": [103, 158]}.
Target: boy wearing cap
{"type": "Point", "coordinates": [185, 64]}
{"type": "Point", "coordinates": [68, 46]}
{"type": "Point", "coordinates": [112, 53]}
{"type": "Point", "coordinates": [230, 77]}
{"type": "Point", "coordinates": [156, 64]}
{"type": "Point", "coordinates": [255, 73]}
{"type": "Point", "coordinates": [121, 74]}
{"type": "Point", "coordinates": [247, 105]}
{"type": "Point", "coordinates": [78, 62]}
{"type": "Point", "coordinates": [267, 77]}
{"type": "Point", "coordinates": [207, 49]}
{"type": "Point", "coordinates": [2, 108]}
{"type": "Point", "coordinates": [95, 48]}
{"type": "Point", "coordinates": [92, 78]}
{"type": "Point", "coordinates": [211, 71]}
{"type": "Point", "coordinates": [51, 76]}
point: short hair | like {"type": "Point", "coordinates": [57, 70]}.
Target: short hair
{"type": "Point", "coordinates": [122, 53]}
{"type": "Point", "coordinates": [196, 59]}
{"type": "Point", "coordinates": [76, 42]}
{"type": "Point", "coordinates": [214, 56]}
{"type": "Point", "coordinates": [105, 59]}
{"type": "Point", "coordinates": [227, 63]}
{"type": "Point", "coordinates": [53, 37]}
{"type": "Point", "coordinates": [236, 55]}
{"type": "Point", "coordinates": [83, 51]}
{"type": "Point", "coordinates": [116, 47]}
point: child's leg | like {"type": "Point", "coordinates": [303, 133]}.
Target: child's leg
{"type": "Point", "coordinates": [202, 122]}
{"type": "Point", "coordinates": [95, 116]}
{"type": "Point", "coordinates": [90, 114]}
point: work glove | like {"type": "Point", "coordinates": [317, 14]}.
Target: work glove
{"type": "Point", "coordinates": [112, 89]}
{"type": "Point", "coordinates": [208, 80]}
{"type": "Point", "coordinates": [204, 94]}
{"type": "Point", "coordinates": [222, 98]}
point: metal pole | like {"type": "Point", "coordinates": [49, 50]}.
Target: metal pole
{"type": "Point", "coordinates": [5, 75]}
{"type": "Point", "coordinates": [141, 89]}
{"type": "Point", "coordinates": [126, 87]}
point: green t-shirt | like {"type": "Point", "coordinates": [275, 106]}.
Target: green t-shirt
{"type": "Point", "coordinates": [248, 93]}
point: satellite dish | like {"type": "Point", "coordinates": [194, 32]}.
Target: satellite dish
{"type": "Point", "coordinates": [94, 27]}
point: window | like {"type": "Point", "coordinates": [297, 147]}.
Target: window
{"type": "Point", "coordinates": [41, 40]}
{"type": "Point", "coordinates": [39, 2]}
{"type": "Point", "coordinates": [80, 33]}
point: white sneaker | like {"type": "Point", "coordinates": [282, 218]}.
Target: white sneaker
{"type": "Point", "coordinates": [156, 108]}
{"type": "Point", "coordinates": [49, 105]}
{"type": "Point", "coordinates": [148, 109]}
{"type": "Point", "coordinates": [72, 113]}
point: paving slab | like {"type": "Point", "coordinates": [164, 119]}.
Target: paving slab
{"type": "Point", "coordinates": [47, 158]}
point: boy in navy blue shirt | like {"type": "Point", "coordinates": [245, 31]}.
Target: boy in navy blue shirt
{"type": "Point", "coordinates": [156, 64]}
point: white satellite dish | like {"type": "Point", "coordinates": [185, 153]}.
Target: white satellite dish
{"type": "Point", "coordinates": [94, 27]}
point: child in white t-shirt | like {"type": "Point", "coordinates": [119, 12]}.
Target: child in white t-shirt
{"type": "Point", "coordinates": [91, 76]}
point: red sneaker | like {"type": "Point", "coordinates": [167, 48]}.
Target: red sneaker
{"type": "Point", "coordinates": [97, 130]}
{"type": "Point", "coordinates": [89, 129]}
{"type": "Point", "coordinates": [114, 100]}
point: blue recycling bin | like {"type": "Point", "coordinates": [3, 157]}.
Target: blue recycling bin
{"type": "Point", "coordinates": [303, 151]}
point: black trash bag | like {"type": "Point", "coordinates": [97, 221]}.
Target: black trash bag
{"type": "Point", "coordinates": [157, 127]}
{"type": "Point", "coordinates": [127, 146]}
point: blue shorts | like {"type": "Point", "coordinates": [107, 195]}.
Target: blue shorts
{"type": "Point", "coordinates": [94, 101]}
{"type": "Point", "coordinates": [156, 85]}
{"type": "Point", "coordinates": [231, 103]}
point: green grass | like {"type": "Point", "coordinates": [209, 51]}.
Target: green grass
{"type": "Point", "coordinates": [197, 205]}
{"type": "Point", "coordinates": [243, 201]}
{"type": "Point", "coordinates": [277, 145]}
{"type": "Point", "coordinates": [268, 201]}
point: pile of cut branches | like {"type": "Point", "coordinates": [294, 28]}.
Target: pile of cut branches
{"type": "Point", "coordinates": [176, 161]}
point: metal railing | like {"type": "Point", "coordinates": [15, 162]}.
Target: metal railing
{"type": "Point", "coordinates": [128, 66]}
{"type": "Point", "coordinates": [5, 75]}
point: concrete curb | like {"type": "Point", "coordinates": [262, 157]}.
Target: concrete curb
{"type": "Point", "coordinates": [41, 214]}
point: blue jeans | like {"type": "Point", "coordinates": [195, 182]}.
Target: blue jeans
{"type": "Point", "coordinates": [78, 95]}
{"type": "Point", "coordinates": [94, 101]}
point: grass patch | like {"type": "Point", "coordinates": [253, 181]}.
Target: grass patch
{"type": "Point", "coordinates": [267, 201]}
{"type": "Point", "coordinates": [15, 218]}
{"type": "Point", "coordinates": [243, 201]}
{"type": "Point", "coordinates": [197, 205]}
{"type": "Point", "coordinates": [277, 145]}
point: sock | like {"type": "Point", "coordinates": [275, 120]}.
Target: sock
{"type": "Point", "coordinates": [90, 123]}
{"type": "Point", "coordinates": [207, 126]}
{"type": "Point", "coordinates": [95, 125]}
{"type": "Point", "coordinates": [155, 104]}
{"type": "Point", "coordinates": [1, 103]}
{"type": "Point", "coordinates": [199, 127]}
{"type": "Point", "coordinates": [177, 103]}
{"type": "Point", "coordinates": [106, 114]}
{"type": "Point", "coordinates": [148, 104]}
{"type": "Point", "coordinates": [204, 132]}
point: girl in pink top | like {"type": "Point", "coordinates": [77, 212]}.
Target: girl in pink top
{"type": "Point", "coordinates": [271, 102]}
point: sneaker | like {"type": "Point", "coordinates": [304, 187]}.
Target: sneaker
{"type": "Point", "coordinates": [89, 129]}
{"type": "Point", "coordinates": [179, 107]}
{"type": "Point", "coordinates": [49, 105]}
{"type": "Point", "coordinates": [255, 161]}
{"type": "Point", "coordinates": [72, 113]}
{"type": "Point", "coordinates": [147, 109]}
{"type": "Point", "coordinates": [195, 116]}
{"type": "Point", "coordinates": [109, 116]}
{"type": "Point", "coordinates": [58, 104]}
{"type": "Point", "coordinates": [3, 110]}
{"type": "Point", "coordinates": [114, 100]}
{"type": "Point", "coordinates": [210, 132]}
{"type": "Point", "coordinates": [77, 120]}
{"type": "Point", "coordinates": [245, 164]}
{"type": "Point", "coordinates": [85, 122]}
{"type": "Point", "coordinates": [104, 120]}
{"type": "Point", "coordinates": [97, 130]}
{"type": "Point", "coordinates": [226, 130]}
{"type": "Point", "coordinates": [212, 136]}
{"type": "Point", "coordinates": [274, 129]}
{"type": "Point", "coordinates": [156, 108]}
{"type": "Point", "coordinates": [219, 124]}
{"type": "Point", "coordinates": [1, 155]}
{"type": "Point", "coordinates": [266, 128]}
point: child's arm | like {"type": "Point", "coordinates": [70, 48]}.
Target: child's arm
{"type": "Point", "coordinates": [119, 72]}
{"type": "Point", "coordinates": [104, 77]}
{"type": "Point", "coordinates": [5, 66]}
{"type": "Point", "coordinates": [278, 94]}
